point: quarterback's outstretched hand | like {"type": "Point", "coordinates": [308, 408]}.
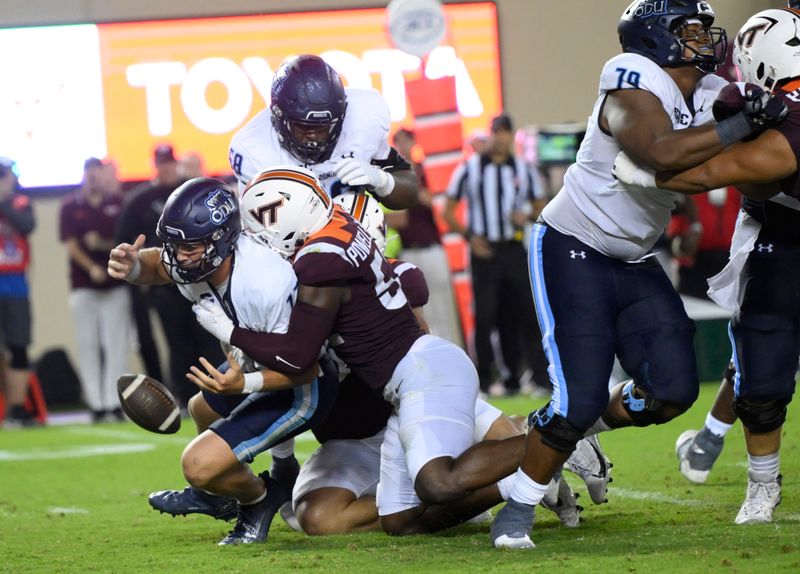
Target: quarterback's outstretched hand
{"type": "Point", "coordinates": [354, 172]}
{"type": "Point", "coordinates": [123, 260]}
{"type": "Point", "coordinates": [213, 319]}
{"type": "Point", "coordinates": [231, 382]}
{"type": "Point", "coordinates": [627, 172]}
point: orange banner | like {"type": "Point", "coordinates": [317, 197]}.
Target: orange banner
{"type": "Point", "coordinates": [194, 83]}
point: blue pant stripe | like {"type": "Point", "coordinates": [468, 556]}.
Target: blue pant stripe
{"type": "Point", "coordinates": [306, 400]}
{"type": "Point", "coordinates": [735, 358]}
{"type": "Point", "coordinates": [560, 399]}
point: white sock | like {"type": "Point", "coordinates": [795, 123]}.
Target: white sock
{"type": "Point", "coordinates": [255, 501]}
{"type": "Point", "coordinates": [767, 466]}
{"type": "Point", "coordinates": [527, 490]}
{"type": "Point", "coordinates": [505, 486]}
{"type": "Point", "coordinates": [716, 426]}
{"type": "Point", "coordinates": [598, 427]}
{"type": "Point", "coordinates": [284, 449]}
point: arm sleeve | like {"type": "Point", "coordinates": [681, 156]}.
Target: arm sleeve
{"type": "Point", "coordinates": [295, 351]}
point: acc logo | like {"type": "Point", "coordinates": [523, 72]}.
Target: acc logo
{"type": "Point", "coordinates": [416, 26]}
{"type": "Point", "coordinates": [221, 205]}
{"type": "Point", "coordinates": [651, 8]}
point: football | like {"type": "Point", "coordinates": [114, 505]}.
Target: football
{"type": "Point", "coordinates": [149, 403]}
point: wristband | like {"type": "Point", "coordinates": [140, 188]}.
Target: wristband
{"type": "Point", "coordinates": [136, 270]}
{"type": "Point", "coordinates": [387, 187]}
{"type": "Point", "coordinates": [734, 129]}
{"type": "Point", "coordinates": [253, 382]}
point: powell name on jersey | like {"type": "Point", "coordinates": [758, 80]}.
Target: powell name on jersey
{"type": "Point", "coordinates": [364, 136]}
{"type": "Point", "coordinates": [375, 327]}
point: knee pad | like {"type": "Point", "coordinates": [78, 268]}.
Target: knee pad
{"type": "Point", "coordinates": [19, 357]}
{"type": "Point", "coordinates": [760, 418]}
{"type": "Point", "coordinates": [646, 411]}
{"type": "Point", "coordinates": [556, 431]}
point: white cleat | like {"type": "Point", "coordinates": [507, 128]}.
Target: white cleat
{"type": "Point", "coordinates": [590, 463]}
{"type": "Point", "coordinates": [760, 501]}
{"type": "Point", "coordinates": [561, 500]}
{"type": "Point", "coordinates": [697, 451]}
{"type": "Point", "coordinates": [512, 541]}
{"type": "Point", "coordinates": [287, 513]}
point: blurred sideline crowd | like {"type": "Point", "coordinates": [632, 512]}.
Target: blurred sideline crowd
{"type": "Point", "coordinates": [504, 181]}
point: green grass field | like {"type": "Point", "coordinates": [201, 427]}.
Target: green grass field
{"type": "Point", "coordinates": [74, 500]}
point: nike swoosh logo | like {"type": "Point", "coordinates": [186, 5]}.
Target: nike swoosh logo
{"type": "Point", "coordinates": [285, 362]}
{"type": "Point", "coordinates": [697, 450]}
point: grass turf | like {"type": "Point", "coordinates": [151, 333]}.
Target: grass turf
{"type": "Point", "coordinates": [68, 505]}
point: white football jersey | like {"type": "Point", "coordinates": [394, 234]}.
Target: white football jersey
{"type": "Point", "coordinates": [260, 292]}
{"type": "Point", "coordinates": [619, 221]}
{"type": "Point", "coordinates": [364, 136]}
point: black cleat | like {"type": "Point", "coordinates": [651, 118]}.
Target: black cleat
{"type": "Point", "coordinates": [192, 500]}
{"type": "Point", "coordinates": [254, 520]}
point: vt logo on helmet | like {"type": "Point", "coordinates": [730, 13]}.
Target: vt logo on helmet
{"type": "Point", "coordinates": [201, 217]}
{"type": "Point", "coordinates": [283, 206]}
{"type": "Point", "coordinates": [656, 29]}
{"type": "Point", "coordinates": [767, 48]}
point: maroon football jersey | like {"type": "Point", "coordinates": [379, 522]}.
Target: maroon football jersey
{"type": "Point", "coordinates": [375, 327]}
{"type": "Point", "coordinates": [412, 280]}
{"type": "Point", "coordinates": [790, 129]}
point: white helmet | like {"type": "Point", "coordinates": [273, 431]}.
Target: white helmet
{"type": "Point", "coordinates": [767, 48]}
{"type": "Point", "coordinates": [284, 205]}
{"type": "Point", "coordinates": [367, 211]}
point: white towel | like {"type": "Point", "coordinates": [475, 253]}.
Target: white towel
{"type": "Point", "coordinates": [724, 286]}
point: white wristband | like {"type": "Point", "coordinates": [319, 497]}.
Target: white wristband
{"type": "Point", "coordinates": [387, 187]}
{"type": "Point", "coordinates": [253, 382]}
{"type": "Point", "coordinates": [135, 271]}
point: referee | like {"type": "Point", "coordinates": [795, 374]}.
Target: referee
{"type": "Point", "coordinates": [502, 194]}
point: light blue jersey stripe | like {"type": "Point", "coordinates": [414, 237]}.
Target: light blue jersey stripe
{"type": "Point", "coordinates": [737, 377]}
{"type": "Point", "coordinates": [560, 400]}
{"type": "Point", "coordinates": [306, 400]}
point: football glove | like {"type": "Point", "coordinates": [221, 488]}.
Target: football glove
{"type": "Point", "coordinates": [213, 319]}
{"type": "Point", "coordinates": [354, 172]}
{"type": "Point", "coordinates": [627, 172]}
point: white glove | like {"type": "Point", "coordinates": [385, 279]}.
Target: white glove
{"type": "Point", "coordinates": [213, 319]}
{"type": "Point", "coordinates": [629, 173]}
{"type": "Point", "coordinates": [354, 172]}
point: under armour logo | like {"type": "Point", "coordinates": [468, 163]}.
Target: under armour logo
{"type": "Point", "coordinates": [349, 155]}
{"type": "Point", "coordinates": [765, 247]}
{"type": "Point", "coordinates": [575, 254]}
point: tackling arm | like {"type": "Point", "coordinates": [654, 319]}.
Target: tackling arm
{"type": "Point", "coordinates": [637, 120]}
{"type": "Point", "coordinates": [767, 159]}
{"type": "Point", "coordinates": [310, 324]}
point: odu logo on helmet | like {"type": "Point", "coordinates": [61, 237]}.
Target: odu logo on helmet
{"type": "Point", "coordinates": [651, 8]}
{"type": "Point", "coordinates": [221, 205]}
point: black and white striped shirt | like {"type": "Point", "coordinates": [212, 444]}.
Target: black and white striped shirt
{"type": "Point", "coordinates": [493, 192]}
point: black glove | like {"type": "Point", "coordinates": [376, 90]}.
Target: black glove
{"type": "Point", "coordinates": [762, 109]}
